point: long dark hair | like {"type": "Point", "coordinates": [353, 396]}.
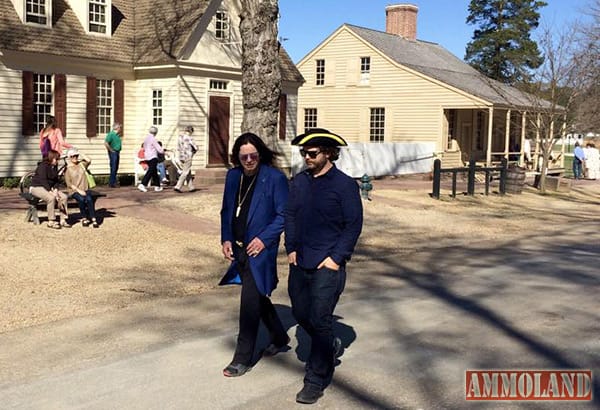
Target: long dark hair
{"type": "Point", "coordinates": [52, 155]}
{"type": "Point", "coordinates": [267, 155]}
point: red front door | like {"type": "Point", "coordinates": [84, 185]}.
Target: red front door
{"type": "Point", "coordinates": [218, 136]}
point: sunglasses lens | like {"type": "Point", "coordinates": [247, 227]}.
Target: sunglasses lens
{"type": "Point", "coordinates": [249, 157]}
{"type": "Point", "coordinates": [311, 154]}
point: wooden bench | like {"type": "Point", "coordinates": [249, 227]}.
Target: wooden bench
{"type": "Point", "coordinates": [37, 203]}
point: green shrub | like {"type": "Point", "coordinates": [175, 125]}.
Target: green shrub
{"type": "Point", "coordinates": [101, 179]}
{"type": "Point", "coordinates": [10, 182]}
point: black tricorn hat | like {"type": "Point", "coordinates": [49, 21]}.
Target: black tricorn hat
{"type": "Point", "coordinates": [319, 137]}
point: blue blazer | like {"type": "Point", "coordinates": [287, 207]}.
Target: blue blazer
{"type": "Point", "coordinates": [265, 221]}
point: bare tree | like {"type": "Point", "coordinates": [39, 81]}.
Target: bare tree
{"type": "Point", "coordinates": [261, 74]}
{"type": "Point", "coordinates": [588, 66]}
{"type": "Point", "coordinates": [555, 87]}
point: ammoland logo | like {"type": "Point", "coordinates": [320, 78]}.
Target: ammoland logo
{"type": "Point", "coordinates": [528, 385]}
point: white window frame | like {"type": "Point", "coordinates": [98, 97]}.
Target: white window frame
{"type": "Point", "coordinates": [104, 106]}
{"type": "Point", "coordinates": [157, 106]}
{"type": "Point", "coordinates": [43, 99]}
{"type": "Point", "coordinates": [46, 15]}
{"type": "Point", "coordinates": [320, 72]}
{"type": "Point", "coordinates": [311, 116]}
{"type": "Point", "coordinates": [365, 69]}
{"type": "Point", "coordinates": [222, 25]}
{"type": "Point", "coordinates": [218, 85]}
{"type": "Point", "coordinates": [104, 7]}
{"type": "Point", "coordinates": [377, 124]}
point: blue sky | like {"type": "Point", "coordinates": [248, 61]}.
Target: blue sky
{"type": "Point", "coordinates": [306, 23]}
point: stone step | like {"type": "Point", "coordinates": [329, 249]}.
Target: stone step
{"type": "Point", "coordinates": [210, 176]}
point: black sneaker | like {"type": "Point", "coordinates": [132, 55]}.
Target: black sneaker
{"type": "Point", "coordinates": [177, 190]}
{"type": "Point", "coordinates": [309, 394]}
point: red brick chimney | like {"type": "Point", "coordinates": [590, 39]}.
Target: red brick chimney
{"type": "Point", "coordinates": [401, 20]}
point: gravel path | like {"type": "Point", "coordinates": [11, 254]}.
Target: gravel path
{"type": "Point", "coordinates": [164, 245]}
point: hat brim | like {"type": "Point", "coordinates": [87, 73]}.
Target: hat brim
{"type": "Point", "coordinates": [319, 138]}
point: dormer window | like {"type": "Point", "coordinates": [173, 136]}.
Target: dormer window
{"type": "Point", "coordinates": [222, 25]}
{"type": "Point", "coordinates": [97, 16]}
{"type": "Point", "coordinates": [38, 11]}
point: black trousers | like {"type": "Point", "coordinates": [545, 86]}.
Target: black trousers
{"type": "Point", "coordinates": [152, 172]}
{"type": "Point", "coordinates": [314, 294]}
{"type": "Point", "coordinates": [254, 307]}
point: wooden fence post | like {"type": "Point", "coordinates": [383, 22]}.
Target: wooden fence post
{"type": "Point", "coordinates": [437, 166]}
{"type": "Point", "coordinates": [471, 181]}
{"type": "Point", "coordinates": [503, 173]}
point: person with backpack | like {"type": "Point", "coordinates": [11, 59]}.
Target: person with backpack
{"type": "Point", "coordinates": [51, 138]}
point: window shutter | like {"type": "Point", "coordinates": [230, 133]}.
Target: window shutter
{"type": "Point", "coordinates": [119, 103]}
{"type": "Point", "coordinates": [60, 102]}
{"type": "Point", "coordinates": [27, 104]}
{"type": "Point", "coordinates": [90, 109]}
{"type": "Point", "coordinates": [282, 116]}
{"type": "Point", "coordinates": [352, 71]}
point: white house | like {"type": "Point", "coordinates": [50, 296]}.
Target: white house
{"type": "Point", "coordinates": [140, 62]}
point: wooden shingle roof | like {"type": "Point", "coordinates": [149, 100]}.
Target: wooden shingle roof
{"type": "Point", "coordinates": [143, 32]}
{"type": "Point", "coordinates": [67, 37]}
{"type": "Point", "coordinates": [163, 28]}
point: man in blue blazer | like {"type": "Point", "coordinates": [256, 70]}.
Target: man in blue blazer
{"type": "Point", "coordinates": [252, 218]}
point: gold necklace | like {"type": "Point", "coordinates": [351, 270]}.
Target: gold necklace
{"type": "Point", "coordinates": [240, 199]}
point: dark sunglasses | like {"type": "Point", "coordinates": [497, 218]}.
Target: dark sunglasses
{"type": "Point", "coordinates": [248, 157]}
{"type": "Point", "coordinates": [311, 154]}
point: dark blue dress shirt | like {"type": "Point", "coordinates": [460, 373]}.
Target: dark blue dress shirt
{"type": "Point", "coordinates": [323, 218]}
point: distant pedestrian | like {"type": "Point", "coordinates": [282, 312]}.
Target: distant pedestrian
{"type": "Point", "coordinates": [323, 221]}
{"type": "Point", "coordinates": [113, 144]}
{"type": "Point", "coordinates": [77, 184]}
{"type": "Point", "coordinates": [578, 160]}
{"type": "Point", "coordinates": [51, 138]}
{"type": "Point", "coordinates": [45, 185]}
{"type": "Point", "coordinates": [186, 148]}
{"type": "Point", "coordinates": [251, 223]}
{"type": "Point", "coordinates": [151, 150]}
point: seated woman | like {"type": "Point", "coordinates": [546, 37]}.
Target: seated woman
{"type": "Point", "coordinates": [77, 184]}
{"type": "Point", "coordinates": [44, 185]}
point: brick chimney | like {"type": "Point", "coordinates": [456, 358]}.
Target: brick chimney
{"type": "Point", "coordinates": [401, 20]}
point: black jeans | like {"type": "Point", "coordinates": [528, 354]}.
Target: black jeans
{"type": "Point", "coordinates": [152, 172]}
{"type": "Point", "coordinates": [314, 294]}
{"type": "Point", "coordinates": [253, 308]}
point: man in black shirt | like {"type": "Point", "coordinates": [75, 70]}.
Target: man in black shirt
{"type": "Point", "coordinates": [323, 221]}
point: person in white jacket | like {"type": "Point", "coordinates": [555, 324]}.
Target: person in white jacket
{"type": "Point", "coordinates": [592, 161]}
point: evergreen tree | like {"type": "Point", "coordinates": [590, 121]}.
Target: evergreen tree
{"type": "Point", "coordinates": [501, 47]}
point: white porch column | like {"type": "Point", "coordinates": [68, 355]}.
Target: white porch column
{"type": "Point", "coordinates": [488, 155]}
{"type": "Point", "coordinates": [563, 135]}
{"type": "Point", "coordinates": [522, 144]}
{"type": "Point", "coordinates": [507, 135]}
{"type": "Point", "coordinates": [538, 123]}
